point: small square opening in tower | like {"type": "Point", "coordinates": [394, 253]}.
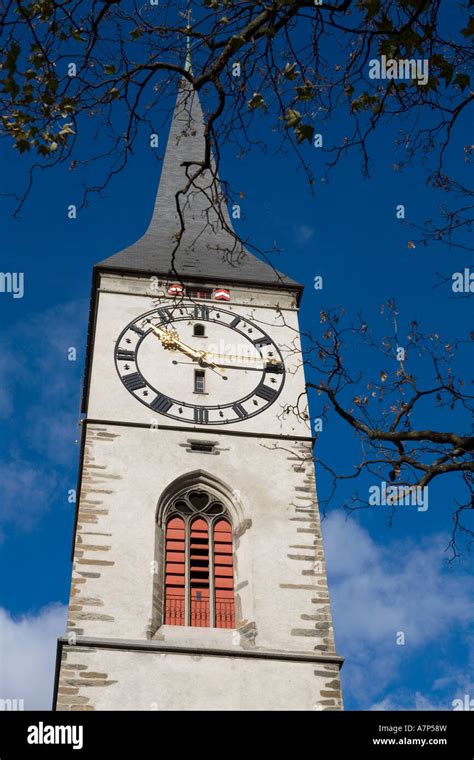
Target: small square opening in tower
{"type": "Point", "coordinates": [202, 446]}
{"type": "Point", "coordinates": [199, 381]}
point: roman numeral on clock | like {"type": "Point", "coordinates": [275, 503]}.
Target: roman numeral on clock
{"type": "Point", "coordinates": [201, 311]}
{"type": "Point", "coordinates": [134, 381]}
{"type": "Point", "coordinates": [137, 330]}
{"type": "Point", "coordinates": [276, 369]}
{"type": "Point", "coordinates": [259, 342]}
{"type": "Point", "coordinates": [123, 353]}
{"type": "Point", "coordinates": [165, 315]}
{"type": "Point", "coordinates": [235, 322]}
{"type": "Point", "coordinates": [263, 391]}
{"type": "Point", "coordinates": [161, 403]}
{"type": "Point", "coordinates": [201, 415]}
{"type": "Point", "coordinates": [240, 411]}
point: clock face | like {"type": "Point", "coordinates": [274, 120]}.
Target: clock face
{"type": "Point", "coordinates": [199, 363]}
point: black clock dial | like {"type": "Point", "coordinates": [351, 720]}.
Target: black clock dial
{"type": "Point", "coordinates": [199, 363]}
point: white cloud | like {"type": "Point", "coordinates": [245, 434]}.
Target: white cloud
{"type": "Point", "coordinates": [28, 647]}
{"type": "Point", "coordinates": [378, 591]}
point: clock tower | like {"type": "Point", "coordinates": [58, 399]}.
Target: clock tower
{"type": "Point", "coordinates": [198, 577]}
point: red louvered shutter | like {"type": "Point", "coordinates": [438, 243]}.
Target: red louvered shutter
{"type": "Point", "coordinates": [222, 294]}
{"type": "Point", "coordinates": [223, 575]}
{"type": "Point", "coordinates": [175, 579]}
{"type": "Point", "coordinates": [175, 289]}
{"type": "Point", "coordinates": [199, 573]}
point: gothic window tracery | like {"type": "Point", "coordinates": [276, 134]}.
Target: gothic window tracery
{"type": "Point", "coordinates": [199, 582]}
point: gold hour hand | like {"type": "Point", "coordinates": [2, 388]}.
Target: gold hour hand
{"type": "Point", "coordinates": [163, 335]}
{"type": "Point", "coordinates": [171, 340]}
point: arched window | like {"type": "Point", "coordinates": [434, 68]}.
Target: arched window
{"type": "Point", "coordinates": [199, 330]}
{"type": "Point", "coordinates": [199, 576]}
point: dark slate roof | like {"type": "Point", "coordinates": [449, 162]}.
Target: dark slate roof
{"type": "Point", "coordinates": [207, 249]}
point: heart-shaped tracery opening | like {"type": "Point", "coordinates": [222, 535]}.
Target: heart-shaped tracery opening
{"type": "Point", "coordinates": [199, 500]}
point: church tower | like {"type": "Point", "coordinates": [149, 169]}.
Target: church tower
{"type": "Point", "coordinates": [198, 577]}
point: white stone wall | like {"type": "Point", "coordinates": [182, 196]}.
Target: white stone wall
{"type": "Point", "coordinates": [108, 679]}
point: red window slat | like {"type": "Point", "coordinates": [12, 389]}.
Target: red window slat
{"type": "Point", "coordinates": [175, 545]}
{"type": "Point", "coordinates": [199, 525]}
{"type": "Point", "coordinates": [223, 548]}
{"type": "Point", "coordinates": [176, 522]}
{"type": "Point", "coordinates": [174, 568]}
{"type": "Point", "coordinates": [224, 583]}
{"type": "Point", "coordinates": [220, 571]}
{"type": "Point", "coordinates": [223, 559]}
{"type": "Point", "coordinates": [175, 580]}
{"type": "Point", "coordinates": [177, 534]}
{"type": "Point", "coordinates": [174, 556]}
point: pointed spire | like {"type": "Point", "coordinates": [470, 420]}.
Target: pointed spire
{"type": "Point", "coordinates": [187, 63]}
{"type": "Point", "coordinates": [207, 250]}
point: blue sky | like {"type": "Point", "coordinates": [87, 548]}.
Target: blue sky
{"type": "Point", "coordinates": [383, 580]}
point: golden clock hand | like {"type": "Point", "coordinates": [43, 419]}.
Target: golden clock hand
{"type": "Point", "coordinates": [197, 355]}
{"type": "Point", "coordinates": [163, 335]}
{"type": "Point", "coordinates": [205, 362]}
{"type": "Point", "coordinates": [207, 365]}
{"type": "Point", "coordinates": [265, 360]}
{"type": "Point", "coordinates": [226, 366]}
{"type": "Point", "coordinates": [171, 340]}
{"type": "Point", "coordinates": [200, 357]}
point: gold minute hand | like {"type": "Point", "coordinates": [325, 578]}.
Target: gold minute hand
{"type": "Point", "coordinates": [200, 356]}
{"type": "Point", "coordinates": [264, 359]}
